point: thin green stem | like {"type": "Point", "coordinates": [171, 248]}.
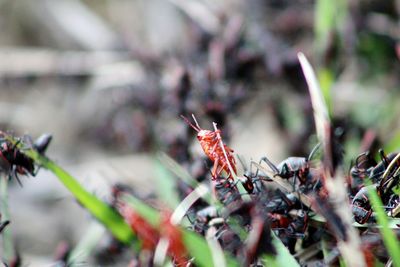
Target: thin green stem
{"type": "Point", "coordinates": [8, 244]}
{"type": "Point", "coordinates": [389, 238]}
{"type": "Point", "coordinates": [87, 244]}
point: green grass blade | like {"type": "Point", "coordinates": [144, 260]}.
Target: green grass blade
{"type": "Point", "coordinates": [177, 169]}
{"type": "Point", "coordinates": [342, 263]}
{"type": "Point", "coordinates": [173, 167]}
{"type": "Point", "coordinates": [324, 21]}
{"type": "Point", "coordinates": [389, 238]}
{"type": "Point", "coordinates": [101, 211]}
{"type": "Point", "coordinates": [328, 16]}
{"type": "Point", "coordinates": [87, 244]}
{"type": "Point", "coordinates": [393, 144]}
{"type": "Point", "coordinates": [110, 218]}
{"type": "Point", "coordinates": [199, 249]}
{"type": "Point", "coordinates": [166, 186]}
{"type": "Point", "coordinates": [283, 257]}
{"type": "Point", "coordinates": [326, 80]}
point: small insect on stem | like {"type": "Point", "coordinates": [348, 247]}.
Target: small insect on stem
{"type": "Point", "coordinates": [297, 167]}
{"type": "Point", "coordinates": [14, 161]}
{"type": "Point", "coordinates": [213, 147]}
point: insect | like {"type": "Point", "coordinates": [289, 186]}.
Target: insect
{"type": "Point", "coordinates": [278, 221]}
{"type": "Point", "coordinates": [42, 143]}
{"type": "Point", "coordinates": [293, 224]}
{"type": "Point", "coordinates": [293, 166]}
{"type": "Point", "coordinates": [13, 161]}
{"type": "Point", "coordinates": [363, 162]}
{"type": "Point", "coordinates": [252, 182]}
{"type": "Point", "coordinates": [358, 172]}
{"type": "Point", "coordinates": [210, 142]}
{"type": "Point", "coordinates": [299, 223]}
{"type": "Point", "coordinates": [248, 184]}
{"type": "Point", "coordinates": [203, 217]}
{"type": "Point", "coordinates": [366, 166]}
{"type": "Point", "coordinates": [361, 207]}
{"type": "Point", "coordinates": [361, 215]}
{"type": "Point", "coordinates": [226, 192]}
{"type": "Point", "coordinates": [377, 172]}
{"type": "Point", "coordinates": [281, 202]}
{"type": "Point", "coordinates": [259, 240]}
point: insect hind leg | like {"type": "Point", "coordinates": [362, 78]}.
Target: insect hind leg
{"type": "Point", "coordinates": [13, 174]}
{"type": "Point", "coordinates": [270, 164]}
{"type": "Point", "coordinates": [384, 158]}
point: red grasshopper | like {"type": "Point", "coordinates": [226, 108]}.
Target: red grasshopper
{"type": "Point", "coordinates": [210, 141]}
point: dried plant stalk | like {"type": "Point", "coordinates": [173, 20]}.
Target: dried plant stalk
{"type": "Point", "coordinates": [350, 245]}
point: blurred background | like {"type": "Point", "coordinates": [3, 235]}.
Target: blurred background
{"type": "Point", "coordinates": [110, 79]}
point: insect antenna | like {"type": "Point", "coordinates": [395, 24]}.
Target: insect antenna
{"type": "Point", "coordinates": [14, 174]}
{"type": "Point", "coordinates": [196, 127]}
{"type": "Point", "coordinates": [15, 146]}
{"type": "Point", "coordinates": [253, 163]}
{"type": "Point", "coordinates": [197, 124]}
{"type": "Point", "coordinates": [384, 158]}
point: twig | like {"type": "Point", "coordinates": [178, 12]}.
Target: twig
{"type": "Point", "coordinates": [239, 185]}
{"type": "Point", "coordinates": [185, 204]}
{"type": "Point", "coordinates": [350, 245]}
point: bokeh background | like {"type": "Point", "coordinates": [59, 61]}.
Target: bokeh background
{"type": "Point", "coordinates": [110, 79]}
